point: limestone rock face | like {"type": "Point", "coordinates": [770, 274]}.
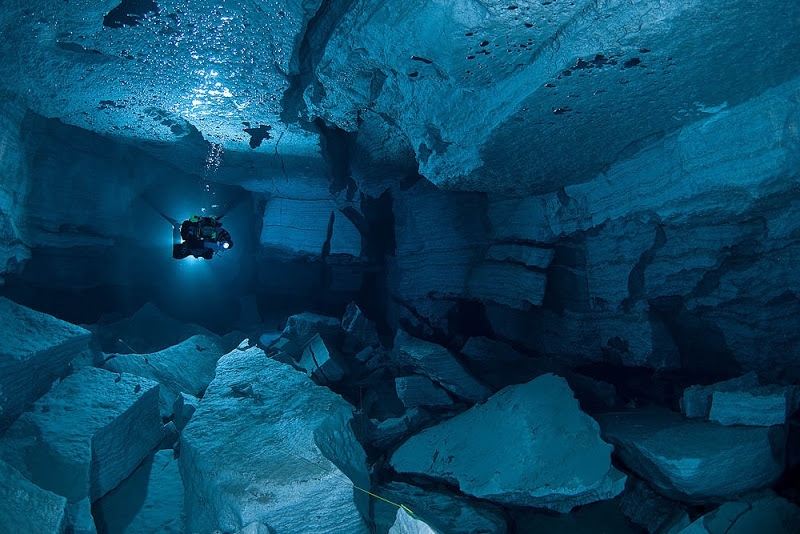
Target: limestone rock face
{"type": "Point", "coordinates": [440, 365]}
{"type": "Point", "coordinates": [187, 367]}
{"type": "Point", "coordinates": [25, 507]}
{"type": "Point", "coordinates": [87, 434]}
{"type": "Point", "coordinates": [695, 461]}
{"type": "Point", "coordinates": [535, 448]}
{"type": "Point", "coordinates": [35, 350]}
{"type": "Point", "coordinates": [268, 445]}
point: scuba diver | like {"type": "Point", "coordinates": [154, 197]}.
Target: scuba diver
{"type": "Point", "coordinates": [201, 237]}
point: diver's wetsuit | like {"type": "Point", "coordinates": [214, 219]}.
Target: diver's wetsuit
{"type": "Point", "coordinates": [202, 237]}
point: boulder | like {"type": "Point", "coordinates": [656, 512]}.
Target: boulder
{"type": "Point", "coordinates": [535, 448]}
{"type": "Point", "coordinates": [767, 513]}
{"type": "Point", "coordinates": [695, 461]}
{"type": "Point", "coordinates": [442, 511]}
{"type": "Point", "coordinates": [86, 435]}
{"type": "Point", "coordinates": [407, 524]}
{"type": "Point", "coordinates": [741, 401]}
{"type": "Point", "coordinates": [25, 507]}
{"type": "Point", "coordinates": [268, 445]}
{"type": "Point", "coordinates": [359, 331]}
{"type": "Point", "coordinates": [302, 327]}
{"type": "Point", "coordinates": [416, 391]}
{"type": "Point", "coordinates": [79, 517]}
{"type": "Point", "coordinates": [437, 363]}
{"type": "Point", "coordinates": [150, 500]}
{"type": "Point", "coordinates": [187, 367]}
{"type": "Point", "coordinates": [317, 362]}
{"type": "Point", "coordinates": [36, 350]}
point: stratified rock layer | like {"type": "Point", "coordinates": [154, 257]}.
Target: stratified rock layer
{"type": "Point", "coordinates": [268, 445]}
{"type": "Point", "coordinates": [691, 460]}
{"type": "Point", "coordinates": [87, 435]}
{"type": "Point", "coordinates": [528, 445]}
{"type": "Point", "coordinates": [35, 350]}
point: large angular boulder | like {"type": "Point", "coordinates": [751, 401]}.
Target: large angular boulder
{"type": "Point", "coordinates": [692, 460]}
{"type": "Point", "coordinates": [437, 363]}
{"type": "Point", "coordinates": [25, 507]}
{"type": "Point", "coordinates": [535, 448]}
{"type": "Point", "coordinates": [317, 361]}
{"type": "Point", "coordinates": [187, 367]}
{"type": "Point", "coordinates": [86, 435]}
{"type": "Point", "coordinates": [268, 445]}
{"type": "Point", "coordinates": [150, 500]}
{"type": "Point", "coordinates": [302, 327]}
{"type": "Point", "coordinates": [442, 511]}
{"type": "Point", "coordinates": [35, 350]}
{"type": "Point", "coordinates": [741, 401]}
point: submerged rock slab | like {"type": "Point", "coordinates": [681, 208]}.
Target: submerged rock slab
{"type": "Point", "coordinates": [35, 350]}
{"type": "Point", "coordinates": [268, 445]}
{"type": "Point", "coordinates": [535, 448]}
{"type": "Point", "coordinates": [187, 367]}
{"type": "Point", "coordinates": [696, 400]}
{"type": "Point", "coordinates": [692, 460]}
{"type": "Point", "coordinates": [440, 365]}
{"type": "Point", "coordinates": [25, 507]}
{"type": "Point", "coordinates": [86, 435]}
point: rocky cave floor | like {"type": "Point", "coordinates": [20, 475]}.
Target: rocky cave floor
{"type": "Point", "coordinates": [287, 431]}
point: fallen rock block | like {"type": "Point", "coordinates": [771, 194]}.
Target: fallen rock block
{"type": "Point", "coordinates": [317, 362]}
{"type": "Point", "coordinates": [741, 401]}
{"type": "Point", "coordinates": [536, 448]}
{"type": "Point", "coordinates": [437, 363]}
{"type": "Point", "coordinates": [87, 434]}
{"type": "Point", "coordinates": [268, 445]}
{"type": "Point", "coordinates": [35, 351]}
{"type": "Point", "coordinates": [359, 331]}
{"type": "Point", "coordinates": [768, 513]}
{"type": "Point", "coordinates": [149, 501]}
{"type": "Point", "coordinates": [302, 327]}
{"type": "Point", "coordinates": [695, 461]}
{"type": "Point", "coordinates": [444, 512]}
{"type": "Point", "coordinates": [415, 391]}
{"type": "Point", "coordinates": [186, 367]}
{"type": "Point", "coordinates": [25, 507]}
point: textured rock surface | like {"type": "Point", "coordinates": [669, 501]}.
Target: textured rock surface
{"type": "Point", "coordinates": [416, 391]}
{"type": "Point", "coordinates": [87, 434]}
{"type": "Point", "coordinates": [289, 471]}
{"type": "Point", "coordinates": [317, 361]}
{"type": "Point", "coordinates": [696, 400]}
{"type": "Point", "coordinates": [442, 511]}
{"type": "Point", "coordinates": [303, 227]}
{"type": "Point", "coordinates": [539, 420]}
{"type": "Point", "coordinates": [25, 507]}
{"type": "Point", "coordinates": [13, 251]}
{"type": "Point", "coordinates": [695, 461]}
{"type": "Point", "coordinates": [187, 367]}
{"type": "Point", "coordinates": [651, 511]}
{"type": "Point", "coordinates": [506, 283]}
{"type": "Point", "coordinates": [768, 513]}
{"type": "Point", "coordinates": [407, 524]}
{"type": "Point", "coordinates": [35, 350]}
{"type": "Point", "coordinates": [440, 365]}
{"type": "Point", "coordinates": [149, 501]}
{"type": "Point", "coordinates": [304, 326]}
{"type": "Point", "coordinates": [183, 410]}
